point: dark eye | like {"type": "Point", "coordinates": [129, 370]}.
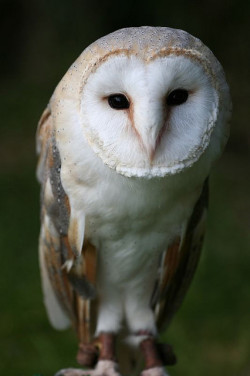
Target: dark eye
{"type": "Point", "coordinates": [177, 97]}
{"type": "Point", "coordinates": [118, 101]}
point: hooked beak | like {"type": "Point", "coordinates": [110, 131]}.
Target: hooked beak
{"type": "Point", "coordinates": [149, 122]}
{"type": "Point", "coordinates": [150, 138]}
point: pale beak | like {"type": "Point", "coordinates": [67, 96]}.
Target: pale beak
{"type": "Point", "coordinates": [150, 123]}
{"type": "Point", "coordinates": [151, 137]}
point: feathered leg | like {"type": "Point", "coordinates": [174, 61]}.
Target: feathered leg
{"type": "Point", "coordinates": [106, 365]}
{"type": "Point", "coordinates": [156, 357]}
{"type": "Point", "coordinates": [141, 322]}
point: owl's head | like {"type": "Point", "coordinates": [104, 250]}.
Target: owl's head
{"type": "Point", "coordinates": [149, 101]}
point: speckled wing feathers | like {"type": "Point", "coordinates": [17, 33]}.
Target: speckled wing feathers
{"type": "Point", "coordinates": [67, 279]}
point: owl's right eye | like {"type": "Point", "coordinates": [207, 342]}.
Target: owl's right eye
{"type": "Point", "coordinates": [118, 101]}
{"type": "Point", "coordinates": [177, 97]}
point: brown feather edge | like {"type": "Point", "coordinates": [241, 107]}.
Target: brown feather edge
{"type": "Point", "coordinates": [49, 166]}
{"type": "Point", "coordinates": [168, 298]}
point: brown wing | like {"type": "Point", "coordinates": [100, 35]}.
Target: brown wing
{"type": "Point", "coordinates": [67, 278]}
{"type": "Point", "coordinates": [179, 264]}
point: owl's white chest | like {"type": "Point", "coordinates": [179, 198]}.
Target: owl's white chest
{"type": "Point", "coordinates": [130, 228]}
{"type": "Point", "coordinates": [131, 221]}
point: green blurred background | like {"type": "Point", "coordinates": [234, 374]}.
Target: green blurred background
{"type": "Point", "coordinates": [40, 40]}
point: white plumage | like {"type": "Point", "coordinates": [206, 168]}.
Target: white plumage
{"type": "Point", "coordinates": [123, 182]}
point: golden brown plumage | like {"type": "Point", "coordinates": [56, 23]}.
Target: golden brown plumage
{"type": "Point", "coordinates": [125, 148]}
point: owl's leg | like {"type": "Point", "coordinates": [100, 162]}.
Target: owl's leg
{"type": "Point", "coordinates": [102, 351]}
{"type": "Point", "coordinates": [141, 322]}
{"type": "Point", "coordinates": [106, 365]}
{"type": "Point", "coordinates": [156, 357]}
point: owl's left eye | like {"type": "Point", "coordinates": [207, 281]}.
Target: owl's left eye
{"type": "Point", "coordinates": [118, 101]}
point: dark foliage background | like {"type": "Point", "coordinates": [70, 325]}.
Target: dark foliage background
{"type": "Point", "coordinates": [40, 40]}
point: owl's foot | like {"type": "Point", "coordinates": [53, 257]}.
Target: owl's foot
{"type": "Point", "coordinates": [155, 371]}
{"type": "Point", "coordinates": [103, 368]}
{"type": "Point", "coordinates": [102, 348]}
{"type": "Point", "coordinates": [100, 353]}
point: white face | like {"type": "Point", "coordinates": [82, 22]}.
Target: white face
{"type": "Point", "coordinates": [168, 111]}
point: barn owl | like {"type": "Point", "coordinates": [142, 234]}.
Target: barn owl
{"type": "Point", "coordinates": [125, 147]}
